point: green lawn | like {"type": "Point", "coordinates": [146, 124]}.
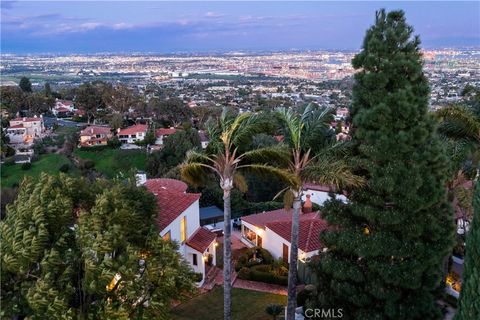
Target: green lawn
{"type": "Point", "coordinates": [113, 161]}
{"type": "Point", "coordinates": [49, 163]}
{"type": "Point", "coordinates": [247, 305]}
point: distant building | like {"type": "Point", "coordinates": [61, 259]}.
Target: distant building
{"type": "Point", "coordinates": [203, 139]}
{"type": "Point", "coordinates": [319, 193]}
{"type": "Point", "coordinates": [95, 136]}
{"type": "Point", "coordinates": [63, 109]}
{"type": "Point", "coordinates": [133, 134]}
{"type": "Point", "coordinates": [25, 130]}
{"type": "Point", "coordinates": [162, 133]}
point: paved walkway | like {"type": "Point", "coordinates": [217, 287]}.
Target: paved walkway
{"type": "Point", "coordinates": [260, 286]}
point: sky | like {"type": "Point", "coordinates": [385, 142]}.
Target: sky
{"type": "Point", "coordinates": [201, 26]}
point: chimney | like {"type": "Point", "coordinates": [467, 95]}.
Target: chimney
{"type": "Point", "coordinates": [307, 206]}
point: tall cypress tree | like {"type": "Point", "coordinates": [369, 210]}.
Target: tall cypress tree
{"type": "Point", "coordinates": [77, 250]}
{"type": "Point", "coordinates": [387, 245]}
{"type": "Point", "coordinates": [469, 305]}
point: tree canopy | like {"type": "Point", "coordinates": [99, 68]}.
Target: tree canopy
{"type": "Point", "coordinates": [78, 250]}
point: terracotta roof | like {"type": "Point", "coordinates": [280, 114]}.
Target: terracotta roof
{"type": "Point", "coordinates": [279, 138]}
{"type": "Point", "coordinates": [308, 232]}
{"type": "Point", "coordinates": [62, 109]}
{"type": "Point", "coordinates": [172, 204]}
{"type": "Point", "coordinates": [27, 119]}
{"type": "Point", "coordinates": [80, 112]}
{"type": "Point", "coordinates": [157, 185]}
{"type": "Point", "coordinates": [262, 219]}
{"type": "Point", "coordinates": [18, 126]}
{"type": "Point", "coordinates": [134, 129]}
{"type": "Point", "coordinates": [94, 130]}
{"type": "Point", "coordinates": [65, 102]}
{"type": "Point", "coordinates": [165, 131]}
{"type": "Point", "coordinates": [201, 239]}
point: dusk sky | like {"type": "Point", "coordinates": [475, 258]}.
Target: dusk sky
{"type": "Point", "coordinates": [164, 27]}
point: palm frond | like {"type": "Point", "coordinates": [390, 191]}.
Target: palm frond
{"type": "Point", "coordinates": [240, 182]}
{"type": "Point", "coordinates": [459, 122]}
{"type": "Point", "coordinates": [278, 154]}
{"type": "Point", "coordinates": [193, 173]}
{"type": "Point", "coordinates": [293, 125]}
{"type": "Point", "coordinates": [332, 172]}
{"type": "Point", "coordinates": [264, 169]}
{"type": "Point", "coordinates": [288, 199]}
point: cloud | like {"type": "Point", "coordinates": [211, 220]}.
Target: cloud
{"type": "Point", "coordinates": [5, 5]}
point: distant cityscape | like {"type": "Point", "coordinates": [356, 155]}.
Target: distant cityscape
{"type": "Point", "coordinates": [283, 75]}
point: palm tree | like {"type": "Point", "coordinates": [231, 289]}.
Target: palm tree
{"type": "Point", "coordinates": [460, 128]}
{"type": "Point", "coordinates": [301, 133]}
{"type": "Point", "coordinates": [227, 162]}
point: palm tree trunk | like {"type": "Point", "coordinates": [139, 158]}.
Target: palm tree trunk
{"type": "Point", "coordinates": [292, 268]}
{"type": "Point", "coordinates": [227, 256]}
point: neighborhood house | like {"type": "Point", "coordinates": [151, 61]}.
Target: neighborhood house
{"type": "Point", "coordinates": [272, 231]}
{"type": "Point", "coordinates": [95, 136]}
{"type": "Point", "coordinates": [133, 134]}
{"type": "Point", "coordinates": [25, 130]}
{"type": "Point", "coordinates": [162, 133]}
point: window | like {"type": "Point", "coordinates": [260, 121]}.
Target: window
{"type": "Point", "coordinates": [249, 234]}
{"type": "Point", "coordinates": [167, 236]}
{"type": "Point", "coordinates": [183, 229]}
{"type": "Point", "coordinates": [195, 262]}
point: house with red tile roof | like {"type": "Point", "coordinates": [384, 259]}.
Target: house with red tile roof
{"type": "Point", "coordinates": [133, 133]}
{"type": "Point", "coordinates": [95, 136]}
{"type": "Point", "coordinates": [179, 220]}
{"type": "Point", "coordinates": [162, 133]}
{"type": "Point", "coordinates": [272, 231]}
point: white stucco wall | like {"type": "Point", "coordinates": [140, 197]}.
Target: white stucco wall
{"type": "Point", "coordinates": [274, 244]}
{"type": "Point", "coordinates": [193, 223]}
{"type": "Point", "coordinates": [319, 197]}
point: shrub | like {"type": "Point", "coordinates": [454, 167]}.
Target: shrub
{"type": "Point", "coordinates": [268, 277]}
{"type": "Point", "coordinates": [86, 164]}
{"type": "Point", "coordinates": [64, 168]}
{"type": "Point", "coordinates": [274, 310]}
{"type": "Point", "coordinates": [305, 294]}
{"type": "Point", "coordinates": [244, 273]}
{"type": "Point", "coordinates": [198, 276]}
{"type": "Point", "coordinates": [263, 256]}
{"type": "Point", "coordinates": [26, 166]}
{"type": "Point", "coordinates": [114, 143]}
{"type": "Point", "coordinates": [9, 161]}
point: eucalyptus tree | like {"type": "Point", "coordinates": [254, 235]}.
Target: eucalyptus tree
{"type": "Point", "coordinates": [304, 133]}
{"type": "Point", "coordinates": [226, 160]}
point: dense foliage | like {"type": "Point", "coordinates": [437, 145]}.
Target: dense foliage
{"type": "Point", "coordinates": [469, 304]}
{"type": "Point", "coordinates": [386, 246]}
{"type": "Point", "coordinates": [78, 250]}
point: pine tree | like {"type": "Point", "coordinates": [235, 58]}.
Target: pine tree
{"type": "Point", "coordinates": [387, 245]}
{"type": "Point", "coordinates": [72, 249]}
{"type": "Point", "coordinates": [25, 84]}
{"type": "Point", "coordinates": [469, 304]}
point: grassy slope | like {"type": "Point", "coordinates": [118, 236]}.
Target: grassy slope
{"type": "Point", "coordinates": [49, 163]}
{"type": "Point", "coordinates": [247, 304]}
{"type": "Point", "coordinates": [112, 161]}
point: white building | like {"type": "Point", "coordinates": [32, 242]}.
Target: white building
{"type": "Point", "coordinates": [133, 134]}
{"type": "Point", "coordinates": [319, 193]}
{"type": "Point", "coordinates": [272, 231]}
{"type": "Point", "coordinates": [25, 130]}
{"type": "Point", "coordinates": [179, 220]}
{"type": "Point", "coordinates": [162, 133]}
